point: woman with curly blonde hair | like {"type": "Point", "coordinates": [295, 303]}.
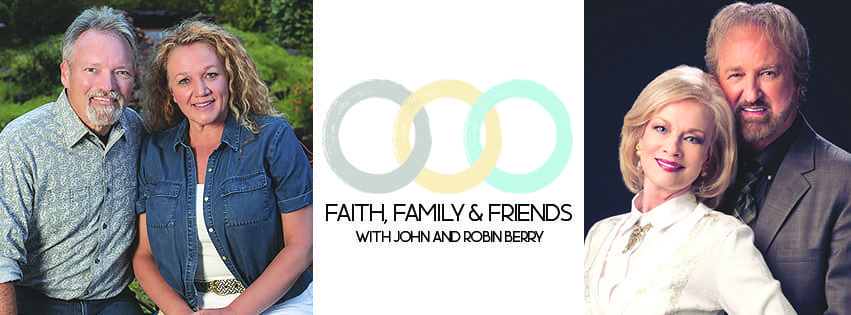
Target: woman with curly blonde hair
{"type": "Point", "coordinates": [225, 191]}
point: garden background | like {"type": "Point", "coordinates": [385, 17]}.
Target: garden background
{"type": "Point", "coordinates": [278, 34]}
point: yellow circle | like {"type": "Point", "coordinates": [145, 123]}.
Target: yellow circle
{"type": "Point", "coordinates": [481, 168]}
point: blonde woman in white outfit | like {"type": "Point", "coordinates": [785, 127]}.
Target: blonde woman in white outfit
{"type": "Point", "coordinates": [672, 253]}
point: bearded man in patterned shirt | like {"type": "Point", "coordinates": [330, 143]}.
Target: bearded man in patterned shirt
{"type": "Point", "coordinates": [68, 181]}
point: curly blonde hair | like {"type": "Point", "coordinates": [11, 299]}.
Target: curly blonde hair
{"type": "Point", "coordinates": [249, 95]}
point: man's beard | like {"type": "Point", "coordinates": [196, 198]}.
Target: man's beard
{"type": "Point", "coordinates": [755, 129]}
{"type": "Point", "coordinates": [105, 115]}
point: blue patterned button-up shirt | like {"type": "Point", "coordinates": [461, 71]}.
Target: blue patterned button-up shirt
{"type": "Point", "coordinates": [66, 203]}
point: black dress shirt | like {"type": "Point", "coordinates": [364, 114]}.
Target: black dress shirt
{"type": "Point", "coordinates": [769, 159]}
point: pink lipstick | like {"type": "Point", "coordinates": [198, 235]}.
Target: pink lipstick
{"type": "Point", "coordinates": [669, 166]}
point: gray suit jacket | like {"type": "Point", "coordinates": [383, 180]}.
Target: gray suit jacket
{"type": "Point", "coordinates": [803, 227]}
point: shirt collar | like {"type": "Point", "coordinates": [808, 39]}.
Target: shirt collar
{"type": "Point", "coordinates": [773, 154]}
{"type": "Point", "coordinates": [664, 215]}
{"type": "Point", "coordinates": [74, 129]}
{"type": "Point", "coordinates": [231, 135]}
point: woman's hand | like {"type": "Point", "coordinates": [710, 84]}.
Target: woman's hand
{"type": "Point", "coordinates": [283, 271]}
{"type": "Point", "coordinates": [150, 278]}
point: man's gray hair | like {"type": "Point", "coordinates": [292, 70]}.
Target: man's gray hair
{"type": "Point", "coordinates": [103, 19]}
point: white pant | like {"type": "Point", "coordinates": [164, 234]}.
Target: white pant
{"type": "Point", "coordinates": [299, 305]}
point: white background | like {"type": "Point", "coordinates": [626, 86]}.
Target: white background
{"type": "Point", "coordinates": [484, 44]}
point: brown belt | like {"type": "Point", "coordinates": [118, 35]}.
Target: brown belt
{"type": "Point", "coordinates": [220, 287]}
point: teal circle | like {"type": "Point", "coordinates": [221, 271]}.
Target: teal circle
{"type": "Point", "coordinates": [555, 164]}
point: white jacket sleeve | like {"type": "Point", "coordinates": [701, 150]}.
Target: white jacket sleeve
{"type": "Point", "coordinates": [743, 280]}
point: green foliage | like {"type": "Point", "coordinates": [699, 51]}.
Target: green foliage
{"type": "Point", "coordinates": [29, 20]}
{"type": "Point", "coordinates": [290, 80]}
{"type": "Point", "coordinates": [31, 72]}
{"type": "Point", "coordinates": [291, 24]}
{"type": "Point", "coordinates": [212, 6]}
{"type": "Point", "coordinates": [8, 90]}
{"type": "Point", "coordinates": [288, 22]}
{"type": "Point", "coordinates": [297, 105]}
{"type": "Point", "coordinates": [182, 5]}
{"type": "Point", "coordinates": [5, 18]}
{"type": "Point", "coordinates": [118, 4]}
{"type": "Point", "coordinates": [141, 296]}
{"type": "Point", "coordinates": [185, 5]}
{"type": "Point", "coordinates": [34, 69]}
{"type": "Point", "coordinates": [249, 15]}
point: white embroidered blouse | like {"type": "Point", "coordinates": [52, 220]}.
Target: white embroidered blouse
{"type": "Point", "coordinates": [693, 260]}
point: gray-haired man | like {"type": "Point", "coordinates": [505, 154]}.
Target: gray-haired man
{"type": "Point", "coordinates": [68, 181]}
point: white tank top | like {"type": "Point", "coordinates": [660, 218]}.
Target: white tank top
{"type": "Point", "coordinates": [210, 265]}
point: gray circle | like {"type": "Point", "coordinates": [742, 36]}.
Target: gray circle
{"type": "Point", "coordinates": [368, 182]}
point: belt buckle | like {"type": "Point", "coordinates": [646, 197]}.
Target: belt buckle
{"type": "Point", "coordinates": [214, 287]}
{"type": "Point", "coordinates": [224, 287]}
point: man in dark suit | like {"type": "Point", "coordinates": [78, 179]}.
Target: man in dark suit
{"type": "Point", "coordinates": [793, 187]}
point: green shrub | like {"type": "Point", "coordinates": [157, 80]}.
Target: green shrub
{"type": "Point", "coordinates": [247, 15]}
{"type": "Point", "coordinates": [8, 90]}
{"type": "Point", "coordinates": [34, 68]}
{"type": "Point", "coordinates": [211, 6]}
{"type": "Point", "coordinates": [288, 22]}
{"type": "Point", "coordinates": [142, 297]}
{"type": "Point", "coordinates": [297, 106]}
{"type": "Point", "coordinates": [6, 19]}
{"type": "Point", "coordinates": [290, 80]}
{"type": "Point", "coordinates": [291, 24]}
{"type": "Point", "coordinates": [184, 5]}
{"type": "Point", "coordinates": [118, 4]}
{"type": "Point", "coordinates": [30, 20]}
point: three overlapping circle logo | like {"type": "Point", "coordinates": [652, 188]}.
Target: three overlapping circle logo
{"type": "Point", "coordinates": [482, 157]}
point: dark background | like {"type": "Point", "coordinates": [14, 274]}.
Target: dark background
{"type": "Point", "coordinates": [628, 43]}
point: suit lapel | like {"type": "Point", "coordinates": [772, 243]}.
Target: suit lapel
{"type": "Point", "coordinates": [788, 188]}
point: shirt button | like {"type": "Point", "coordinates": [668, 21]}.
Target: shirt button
{"type": "Point", "coordinates": [210, 170]}
{"type": "Point", "coordinates": [104, 226]}
{"type": "Point", "coordinates": [206, 198]}
{"type": "Point", "coordinates": [769, 177]}
{"type": "Point", "coordinates": [210, 230]}
{"type": "Point", "coordinates": [224, 258]}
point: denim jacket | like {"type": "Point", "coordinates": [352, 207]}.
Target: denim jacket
{"type": "Point", "coordinates": [249, 181]}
